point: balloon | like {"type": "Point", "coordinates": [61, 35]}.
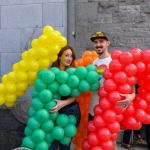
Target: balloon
{"type": "Point", "coordinates": [73, 81]}
{"type": "Point", "coordinates": [53, 87]}
{"type": "Point", "coordinates": [33, 124]}
{"type": "Point", "coordinates": [107, 145]}
{"type": "Point", "coordinates": [115, 54]}
{"type": "Point", "coordinates": [109, 85]}
{"type": "Point", "coordinates": [48, 76]}
{"type": "Point", "coordinates": [28, 131]}
{"type": "Point", "coordinates": [107, 74]}
{"type": "Point", "coordinates": [91, 68]}
{"type": "Point", "coordinates": [93, 139]}
{"type": "Point", "coordinates": [31, 112]}
{"type": "Point", "coordinates": [58, 133]}
{"type": "Point", "coordinates": [139, 115]}
{"type": "Point", "coordinates": [42, 145]}
{"type": "Point", "coordinates": [95, 86]}
{"type": "Point", "coordinates": [120, 78]}
{"type": "Point", "coordinates": [49, 138]}
{"type": "Point", "coordinates": [124, 88]}
{"type": "Point", "coordinates": [97, 110]}
{"type": "Point", "coordinates": [104, 134]}
{"type": "Point", "coordinates": [62, 77]}
{"type": "Point", "coordinates": [84, 86]}
{"type": "Point", "coordinates": [81, 72]}
{"type": "Point", "coordinates": [114, 96]}
{"type": "Point", "coordinates": [109, 116]}
{"type": "Point", "coordinates": [115, 66]}
{"type": "Point", "coordinates": [104, 104]}
{"type": "Point", "coordinates": [37, 104]}
{"type": "Point", "coordinates": [92, 77]}
{"type": "Point", "coordinates": [91, 127]}
{"type": "Point", "coordinates": [145, 55]}
{"type": "Point", "coordinates": [70, 130]}
{"type": "Point", "coordinates": [75, 92]}
{"type": "Point", "coordinates": [42, 115]}
{"type": "Point", "coordinates": [53, 116]}
{"type": "Point", "coordinates": [39, 85]}
{"type": "Point", "coordinates": [114, 127]}
{"type": "Point", "coordinates": [102, 92]}
{"type": "Point", "coordinates": [136, 53]}
{"type": "Point", "coordinates": [64, 90]}
{"type": "Point", "coordinates": [45, 95]}
{"type": "Point", "coordinates": [70, 71]}
{"type": "Point", "coordinates": [86, 145]}
{"type": "Point", "coordinates": [65, 140]}
{"type": "Point", "coordinates": [50, 105]}
{"type": "Point", "coordinates": [38, 135]}
{"type": "Point", "coordinates": [72, 119]}
{"type": "Point", "coordinates": [62, 120]}
{"type": "Point", "coordinates": [126, 58]}
{"type": "Point", "coordinates": [130, 70]}
{"type": "Point", "coordinates": [98, 121]}
{"type": "Point", "coordinates": [47, 126]}
{"type": "Point", "coordinates": [28, 142]}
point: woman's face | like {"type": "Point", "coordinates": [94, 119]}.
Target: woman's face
{"type": "Point", "coordinates": [66, 58]}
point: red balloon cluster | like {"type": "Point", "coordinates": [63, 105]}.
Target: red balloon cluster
{"type": "Point", "coordinates": [125, 70]}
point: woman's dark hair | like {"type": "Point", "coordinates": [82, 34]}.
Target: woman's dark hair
{"type": "Point", "coordinates": [57, 62]}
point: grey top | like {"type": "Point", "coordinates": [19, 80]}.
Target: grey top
{"type": "Point", "coordinates": [20, 111]}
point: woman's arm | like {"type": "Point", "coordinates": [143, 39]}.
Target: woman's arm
{"type": "Point", "coordinates": [128, 99]}
{"type": "Point", "coordinates": [61, 104]}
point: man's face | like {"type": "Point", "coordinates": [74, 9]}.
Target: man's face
{"type": "Point", "coordinates": [101, 45]}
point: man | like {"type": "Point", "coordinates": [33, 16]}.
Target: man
{"type": "Point", "coordinates": [101, 44]}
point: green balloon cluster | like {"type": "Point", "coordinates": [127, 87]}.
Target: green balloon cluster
{"type": "Point", "coordinates": [44, 127]}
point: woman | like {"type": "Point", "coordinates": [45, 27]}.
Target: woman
{"type": "Point", "coordinates": [67, 105]}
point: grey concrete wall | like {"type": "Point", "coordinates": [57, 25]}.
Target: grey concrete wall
{"type": "Point", "coordinates": [127, 22]}
{"type": "Point", "coordinates": [21, 21]}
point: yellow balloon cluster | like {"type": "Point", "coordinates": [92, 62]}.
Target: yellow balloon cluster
{"type": "Point", "coordinates": [43, 51]}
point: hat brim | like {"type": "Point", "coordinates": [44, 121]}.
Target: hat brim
{"type": "Point", "coordinates": [100, 37]}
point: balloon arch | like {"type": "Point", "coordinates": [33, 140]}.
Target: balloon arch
{"type": "Point", "coordinates": [125, 70]}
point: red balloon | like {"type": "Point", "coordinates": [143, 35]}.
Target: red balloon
{"type": "Point", "coordinates": [140, 67]}
{"type": "Point", "coordinates": [114, 96]}
{"type": "Point", "coordinates": [148, 67]}
{"type": "Point", "coordinates": [119, 118]}
{"type": "Point", "coordinates": [114, 127]}
{"type": "Point", "coordinates": [109, 116]}
{"type": "Point", "coordinates": [114, 136]}
{"type": "Point", "coordinates": [118, 109]}
{"type": "Point", "coordinates": [97, 110]}
{"type": "Point", "coordinates": [131, 81]}
{"type": "Point", "coordinates": [115, 54]}
{"type": "Point", "coordinates": [98, 121]}
{"type": "Point", "coordinates": [93, 139]}
{"type": "Point", "coordinates": [126, 58]}
{"type": "Point", "coordinates": [130, 122]}
{"type": "Point", "coordinates": [91, 127]}
{"type": "Point", "coordinates": [104, 134]}
{"type": "Point", "coordinates": [136, 53]}
{"type": "Point", "coordinates": [130, 70]}
{"type": "Point", "coordinates": [129, 111]}
{"type": "Point", "coordinates": [108, 145]}
{"type": "Point", "coordinates": [138, 126]}
{"type": "Point", "coordinates": [148, 108]}
{"type": "Point", "coordinates": [109, 85]}
{"type": "Point", "coordinates": [139, 115]}
{"type": "Point", "coordinates": [102, 92]}
{"type": "Point", "coordinates": [124, 89]}
{"type": "Point", "coordinates": [147, 119]}
{"type": "Point", "coordinates": [145, 55]}
{"type": "Point", "coordinates": [96, 148]}
{"type": "Point", "coordinates": [115, 66]}
{"type": "Point", "coordinates": [140, 103]}
{"type": "Point", "coordinates": [147, 97]}
{"type": "Point", "coordinates": [86, 145]}
{"type": "Point", "coordinates": [104, 104]}
{"type": "Point", "coordinates": [107, 74]}
{"type": "Point", "coordinates": [120, 77]}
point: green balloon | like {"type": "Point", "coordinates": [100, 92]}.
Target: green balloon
{"type": "Point", "coordinates": [75, 92]}
{"type": "Point", "coordinates": [31, 112]}
{"type": "Point", "coordinates": [48, 76]}
{"type": "Point", "coordinates": [70, 130]}
{"type": "Point", "coordinates": [72, 119]}
{"type": "Point", "coordinates": [91, 67]}
{"type": "Point", "coordinates": [62, 120]}
{"type": "Point", "coordinates": [28, 131]}
{"type": "Point", "coordinates": [33, 124]}
{"type": "Point", "coordinates": [53, 87]}
{"type": "Point", "coordinates": [94, 87]}
{"type": "Point", "coordinates": [40, 72]}
{"type": "Point", "coordinates": [47, 126]}
{"type": "Point", "coordinates": [50, 105]}
{"type": "Point", "coordinates": [38, 135]}
{"type": "Point", "coordinates": [53, 116]}
{"type": "Point", "coordinates": [45, 95]}
{"type": "Point", "coordinates": [81, 72]}
{"type": "Point", "coordinates": [62, 77]}
{"type": "Point", "coordinates": [56, 96]}
{"type": "Point", "coordinates": [37, 104]}
{"type": "Point", "coordinates": [28, 142]}
{"type": "Point", "coordinates": [39, 85]}
{"type": "Point", "coordinates": [42, 146]}
{"type": "Point", "coordinates": [70, 71]}
{"type": "Point", "coordinates": [73, 81]}
{"type": "Point", "coordinates": [92, 77]}
{"type": "Point", "coordinates": [64, 90]}
{"type": "Point", "coordinates": [58, 133]}
{"type": "Point", "coordinates": [49, 138]}
{"type": "Point", "coordinates": [84, 86]}
{"type": "Point", "coordinates": [65, 140]}
{"type": "Point", "coordinates": [42, 115]}
{"type": "Point", "coordinates": [54, 69]}
{"type": "Point", "coordinates": [34, 93]}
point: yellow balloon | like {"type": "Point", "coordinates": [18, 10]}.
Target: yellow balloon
{"type": "Point", "coordinates": [4, 78]}
{"type": "Point", "coordinates": [62, 41]}
{"type": "Point", "coordinates": [24, 55]}
{"type": "Point", "coordinates": [10, 87]}
{"type": "Point", "coordinates": [33, 65]}
{"type": "Point", "coordinates": [20, 93]}
{"type": "Point", "coordinates": [43, 41]}
{"type": "Point", "coordinates": [15, 67]}
{"type": "Point", "coordinates": [2, 99]}
{"type": "Point", "coordinates": [32, 54]}
{"type": "Point", "coordinates": [11, 76]}
{"type": "Point", "coordinates": [54, 58]}
{"type": "Point", "coordinates": [54, 49]}
{"type": "Point", "coordinates": [59, 33]}
{"type": "Point", "coordinates": [32, 75]}
{"type": "Point", "coordinates": [53, 37]}
{"type": "Point", "coordinates": [30, 82]}
{"type": "Point", "coordinates": [9, 104]}
{"type": "Point", "coordinates": [47, 30]}
{"type": "Point", "coordinates": [10, 98]}
{"type": "Point", "coordinates": [2, 88]}
{"type": "Point", "coordinates": [23, 65]}
{"type": "Point", "coordinates": [43, 52]}
{"type": "Point", "coordinates": [21, 75]}
{"type": "Point", "coordinates": [44, 63]}
{"type": "Point", "coordinates": [22, 86]}
{"type": "Point", "coordinates": [35, 43]}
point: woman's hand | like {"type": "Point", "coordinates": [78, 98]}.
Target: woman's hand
{"type": "Point", "coordinates": [60, 104]}
{"type": "Point", "coordinates": [126, 102]}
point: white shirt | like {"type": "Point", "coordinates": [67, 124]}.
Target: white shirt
{"type": "Point", "coordinates": [101, 65]}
